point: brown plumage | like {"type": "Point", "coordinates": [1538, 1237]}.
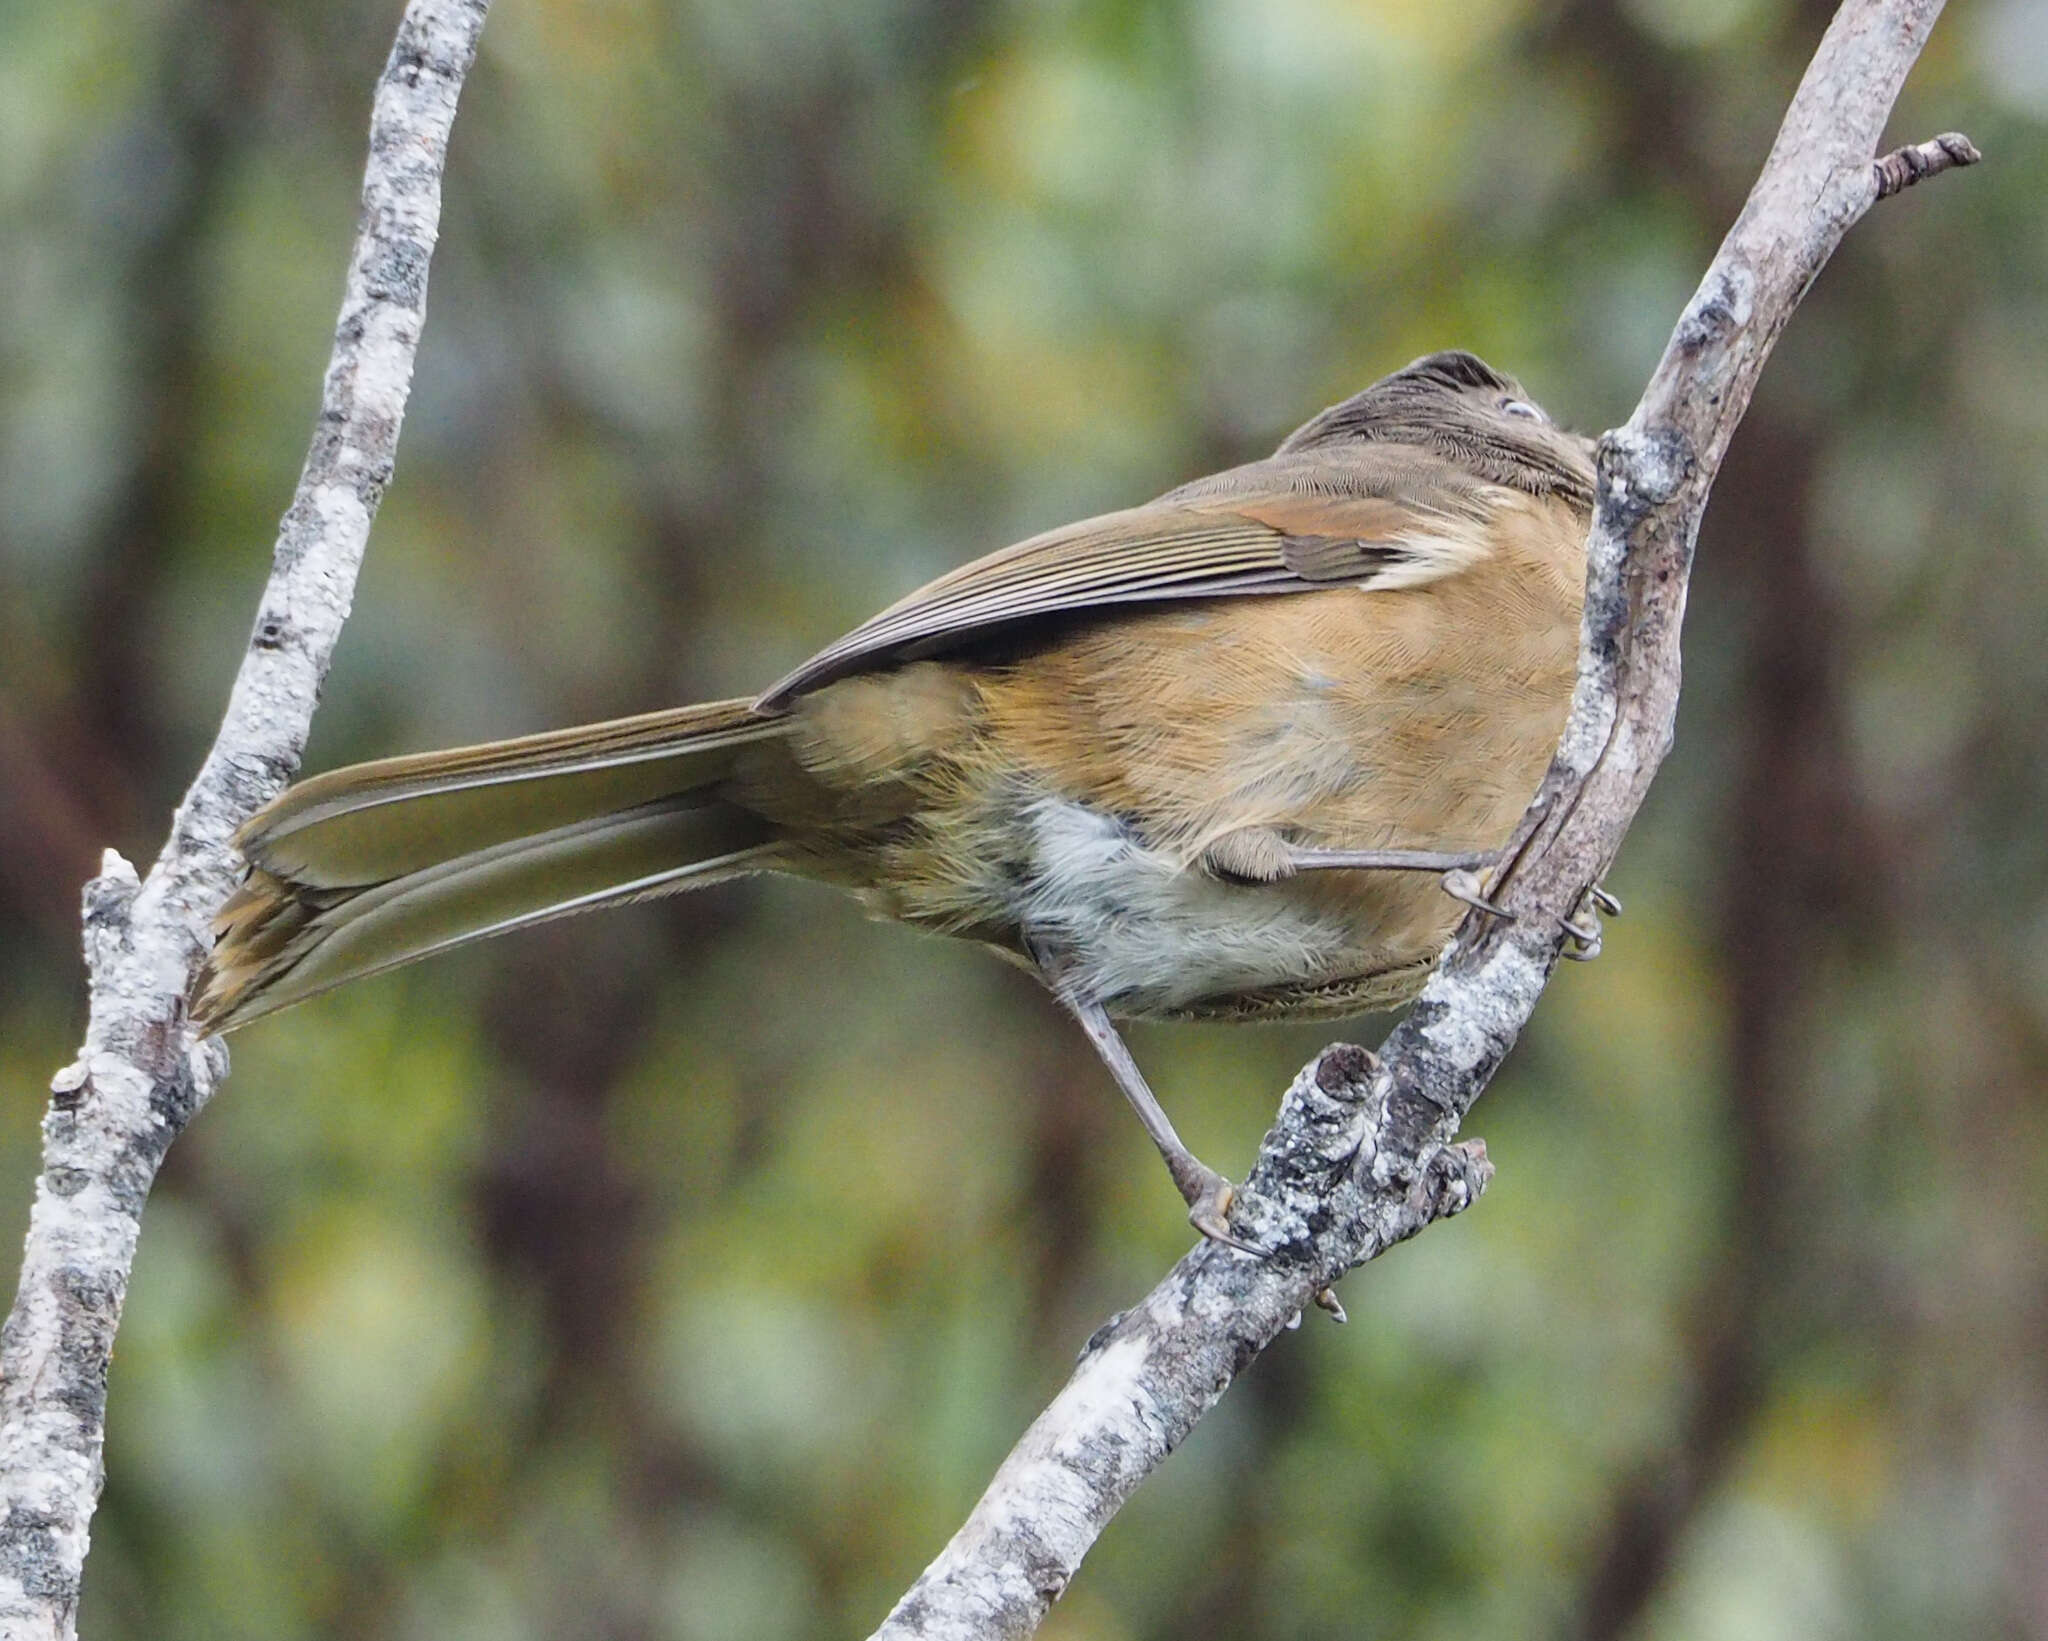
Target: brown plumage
{"type": "Point", "coordinates": [1120, 752]}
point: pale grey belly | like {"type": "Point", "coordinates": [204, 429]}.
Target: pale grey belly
{"type": "Point", "coordinates": [1146, 936]}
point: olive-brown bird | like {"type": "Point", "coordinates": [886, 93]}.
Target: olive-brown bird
{"type": "Point", "coordinates": [1186, 761]}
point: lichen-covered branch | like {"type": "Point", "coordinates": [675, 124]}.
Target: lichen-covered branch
{"type": "Point", "coordinates": [1340, 1177]}
{"type": "Point", "coordinates": [1150, 1374]}
{"type": "Point", "coordinates": [139, 1076]}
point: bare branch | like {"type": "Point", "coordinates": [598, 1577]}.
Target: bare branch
{"type": "Point", "coordinates": [1150, 1374]}
{"type": "Point", "coordinates": [140, 1077]}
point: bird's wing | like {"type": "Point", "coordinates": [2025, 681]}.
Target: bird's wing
{"type": "Point", "coordinates": [1398, 517]}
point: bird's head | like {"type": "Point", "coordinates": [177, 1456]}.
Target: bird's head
{"type": "Point", "coordinates": [1459, 406]}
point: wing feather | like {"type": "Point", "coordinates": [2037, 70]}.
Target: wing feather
{"type": "Point", "coordinates": [1391, 517]}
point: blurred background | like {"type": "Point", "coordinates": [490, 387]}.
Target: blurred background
{"type": "Point", "coordinates": [684, 1272]}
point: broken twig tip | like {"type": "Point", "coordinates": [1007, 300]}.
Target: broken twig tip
{"type": "Point", "coordinates": [1916, 162]}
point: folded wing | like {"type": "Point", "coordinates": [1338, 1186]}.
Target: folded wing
{"type": "Point", "coordinates": [1381, 516]}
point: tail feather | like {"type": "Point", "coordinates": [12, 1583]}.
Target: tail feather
{"type": "Point", "coordinates": [375, 821]}
{"type": "Point", "coordinates": [363, 869]}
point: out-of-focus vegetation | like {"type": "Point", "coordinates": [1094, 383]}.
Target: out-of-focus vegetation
{"type": "Point", "coordinates": [683, 1272]}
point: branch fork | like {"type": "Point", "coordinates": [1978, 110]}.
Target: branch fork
{"type": "Point", "coordinates": [139, 1077]}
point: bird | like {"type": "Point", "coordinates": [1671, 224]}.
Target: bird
{"type": "Point", "coordinates": [1203, 758]}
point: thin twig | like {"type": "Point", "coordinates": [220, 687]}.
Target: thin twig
{"type": "Point", "coordinates": [1151, 1374]}
{"type": "Point", "coordinates": [139, 1076]}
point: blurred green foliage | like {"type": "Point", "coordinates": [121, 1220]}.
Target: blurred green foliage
{"type": "Point", "coordinates": [684, 1272]}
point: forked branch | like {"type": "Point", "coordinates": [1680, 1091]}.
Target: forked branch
{"type": "Point", "coordinates": [139, 1077]}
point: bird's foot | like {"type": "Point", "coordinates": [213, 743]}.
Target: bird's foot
{"type": "Point", "coordinates": [1467, 888]}
{"type": "Point", "coordinates": [1582, 929]}
{"type": "Point", "coordinates": [1209, 1197]}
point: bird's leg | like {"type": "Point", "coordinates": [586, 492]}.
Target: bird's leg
{"type": "Point", "coordinates": [1207, 1193]}
{"type": "Point", "coordinates": [1264, 854]}
{"type": "Point", "coordinates": [1390, 860]}
{"type": "Point", "coordinates": [1460, 869]}
{"type": "Point", "coordinates": [1259, 854]}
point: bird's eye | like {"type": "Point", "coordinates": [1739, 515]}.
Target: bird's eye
{"type": "Point", "coordinates": [1522, 408]}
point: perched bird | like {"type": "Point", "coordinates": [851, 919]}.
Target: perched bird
{"type": "Point", "coordinates": [1193, 760]}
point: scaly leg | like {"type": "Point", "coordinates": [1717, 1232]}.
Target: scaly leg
{"type": "Point", "coordinates": [1207, 1193]}
{"type": "Point", "coordinates": [1389, 860]}
{"type": "Point", "coordinates": [1261, 854]}
{"type": "Point", "coordinates": [1460, 870]}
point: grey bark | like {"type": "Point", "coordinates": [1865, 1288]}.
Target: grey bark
{"type": "Point", "coordinates": [1364, 1152]}
{"type": "Point", "coordinates": [140, 1076]}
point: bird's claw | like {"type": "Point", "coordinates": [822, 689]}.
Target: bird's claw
{"type": "Point", "coordinates": [1582, 928]}
{"type": "Point", "coordinates": [1209, 1203]}
{"type": "Point", "coordinates": [1465, 887]}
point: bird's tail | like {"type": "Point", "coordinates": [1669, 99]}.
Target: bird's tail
{"type": "Point", "coordinates": [369, 867]}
